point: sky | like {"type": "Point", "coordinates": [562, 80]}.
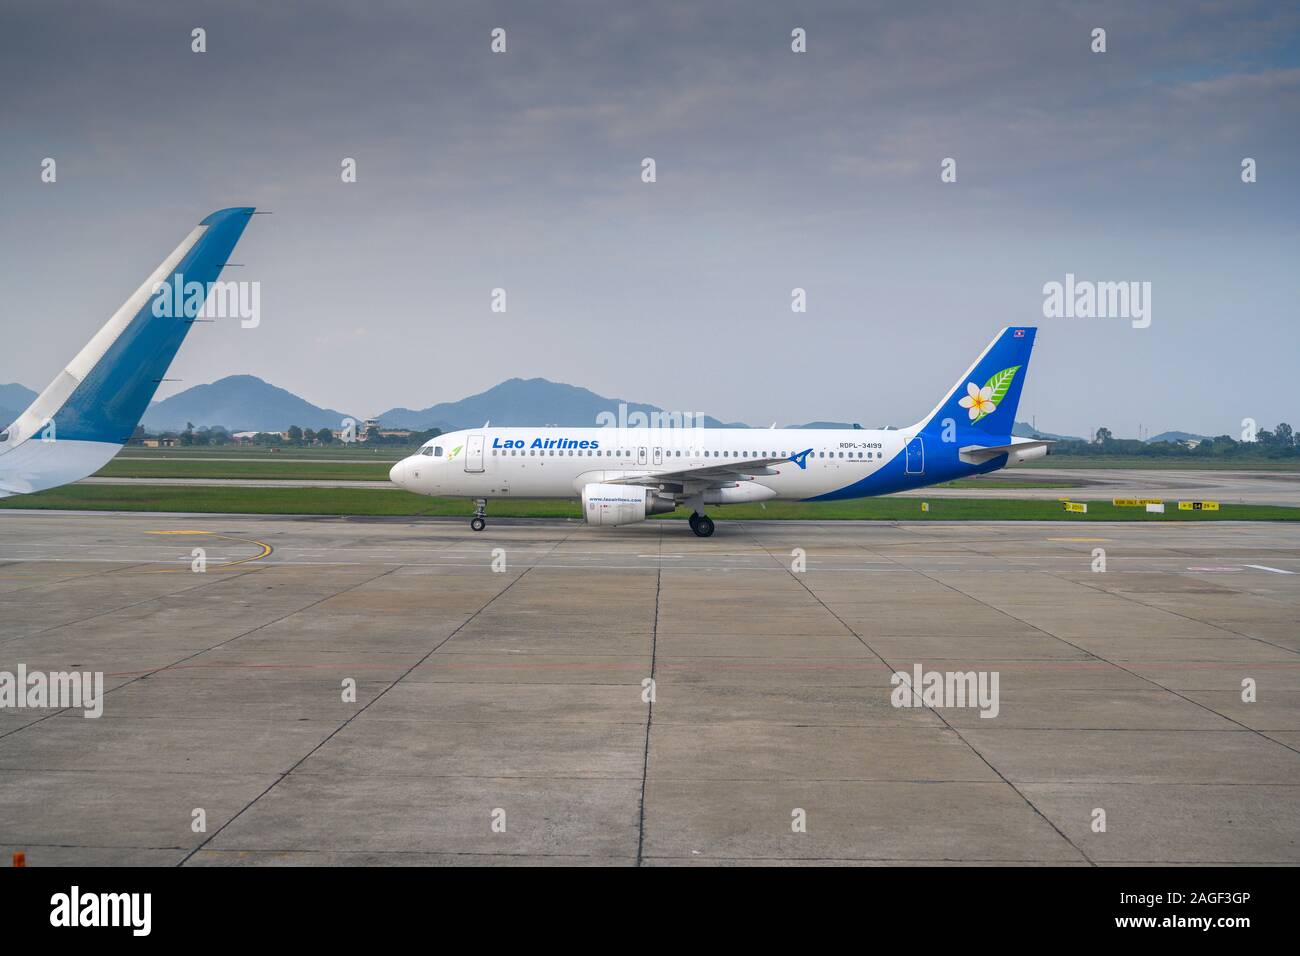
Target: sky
{"type": "Point", "coordinates": [775, 170]}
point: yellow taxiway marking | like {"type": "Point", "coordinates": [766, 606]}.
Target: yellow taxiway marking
{"type": "Point", "coordinates": [266, 550]}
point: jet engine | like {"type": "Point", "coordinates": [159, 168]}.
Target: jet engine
{"type": "Point", "coordinates": [604, 504]}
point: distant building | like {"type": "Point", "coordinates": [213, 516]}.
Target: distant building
{"type": "Point", "coordinates": [159, 443]}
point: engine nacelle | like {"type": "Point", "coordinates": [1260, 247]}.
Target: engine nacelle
{"type": "Point", "coordinates": [1027, 454]}
{"type": "Point", "coordinates": [604, 504]}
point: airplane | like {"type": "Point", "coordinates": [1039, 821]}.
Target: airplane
{"type": "Point", "coordinates": [625, 475]}
{"type": "Point", "coordinates": [93, 406]}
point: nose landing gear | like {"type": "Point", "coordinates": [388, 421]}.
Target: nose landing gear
{"type": "Point", "coordinates": [702, 525]}
{"type": "Point", "coordinates": [479, 521]}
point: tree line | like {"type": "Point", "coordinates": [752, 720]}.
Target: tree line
{"type": "Point", "coordinates": [294, 435]}
{"type": "Point", "coordinates": [1276, 443]}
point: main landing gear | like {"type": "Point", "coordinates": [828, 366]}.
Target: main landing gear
{"type": "Point", "coordinates": [479, 521]}
{"type": "Point", "coordinates": [702, 525]}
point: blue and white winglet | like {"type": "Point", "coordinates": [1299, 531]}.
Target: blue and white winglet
{"type": "Point", "coordinates": [93, 406]}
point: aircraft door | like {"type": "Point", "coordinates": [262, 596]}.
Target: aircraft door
{"type": "Point", "coordinates": [659, 456]}
{"type": "Point", "coordinates": [474, 453]}
{"type": "Point", "coordinates": [641, 455]}
{"type": "Point", "coordinates": [915, 457]}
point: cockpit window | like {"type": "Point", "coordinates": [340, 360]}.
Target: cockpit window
{"type": "Point", "coordinates": [438, 452]}
{"type": "Point", "coordinates": [427, 450]}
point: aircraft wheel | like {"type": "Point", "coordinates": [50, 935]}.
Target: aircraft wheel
{"type": "Point", "coordinates": [478, 524]}
{"type": "Point", "coordinates": [694, 519]}
{"type": "Point", "coordinates": [703, 526]}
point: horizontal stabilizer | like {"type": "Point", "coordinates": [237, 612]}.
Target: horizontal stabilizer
{"type": "Point", "coordinates": [1020, 449]}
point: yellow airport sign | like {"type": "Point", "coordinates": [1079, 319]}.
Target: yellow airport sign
{"type": "Point", "coordinates": [1077, 506]}
{"type": "Point", "coordinates": [1135, 502]}
{"type": "Point", "coordinates": [1198, 506]}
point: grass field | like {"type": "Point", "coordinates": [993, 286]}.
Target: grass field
{"type": "Point", "coordinates": [363, 470]}
{"type": "Point", "coordinates": [360, 470]}
{"type": "Point", "coordinates": [375, 501]}
{"type": "Point", "coordinates": [1083, 462]}
{"type": "Point", "coordinates": [339, 453]}
{"type": "Point", "coordinates": [335, 451]}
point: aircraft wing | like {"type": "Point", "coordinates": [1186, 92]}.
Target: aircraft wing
{"type": "Point", "coordinates": [92, 407]}
{"type": "Point", "coordinates": [718, 471]}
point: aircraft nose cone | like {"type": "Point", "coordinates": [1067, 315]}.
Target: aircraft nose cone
{"type": "Point", "coordinates": [397, 472]}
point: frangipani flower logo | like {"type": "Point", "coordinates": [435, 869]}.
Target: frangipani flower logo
{"type": "Point", "coordinates": [984, 401]}
{"type": "Point", "coordinates": [454, 452]}
{"type": "Point", "coordinates": [979, 401]}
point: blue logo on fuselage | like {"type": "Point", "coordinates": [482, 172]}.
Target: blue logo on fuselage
{"type": "Point", "coordinates": [801, 458]}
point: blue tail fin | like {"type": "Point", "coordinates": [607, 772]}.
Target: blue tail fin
{"type": "Point", "coordinates": [986, 397]}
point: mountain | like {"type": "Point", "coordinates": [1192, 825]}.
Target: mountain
{"type": "Point", "coordinates": [523, 402]}
{"type": "Point", "coordinates": [246, 403]}
{"type": "Point", "coordinates": [14, 399]}
{"type": "Point", "coordinates": [1026, 430]}
{"type": "Point", "coordinates": [1174, 436]}
{"type": "Point", "coordinates": [240, 403]}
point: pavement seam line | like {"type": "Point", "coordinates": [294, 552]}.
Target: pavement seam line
{"type": "Point", "coordinates": [281, 777]}
{"type": "Point", "coordinates": [1029, 803]}
{"type": "Point", "coordinates": [649, 717]}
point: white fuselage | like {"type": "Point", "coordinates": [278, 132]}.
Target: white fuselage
{"type": "Point", "coordinates": [559, 462]}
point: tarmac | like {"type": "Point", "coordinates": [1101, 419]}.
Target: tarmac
{"type": "Point", "coordinates": [545, 692]}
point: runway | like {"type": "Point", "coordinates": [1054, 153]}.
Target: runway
{"type": "Point", "coordinates": [503, 710]}
{"type": "Point", "coordinates": [1235, 487]}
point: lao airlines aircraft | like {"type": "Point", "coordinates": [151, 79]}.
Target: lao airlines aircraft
{"type": "Point", "coordinates": [625, 475]}
{"type": "Point", "coordinates": [91, 408]}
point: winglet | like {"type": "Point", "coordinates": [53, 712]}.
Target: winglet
{"type": "Point", "coordinates": [100, 396]}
